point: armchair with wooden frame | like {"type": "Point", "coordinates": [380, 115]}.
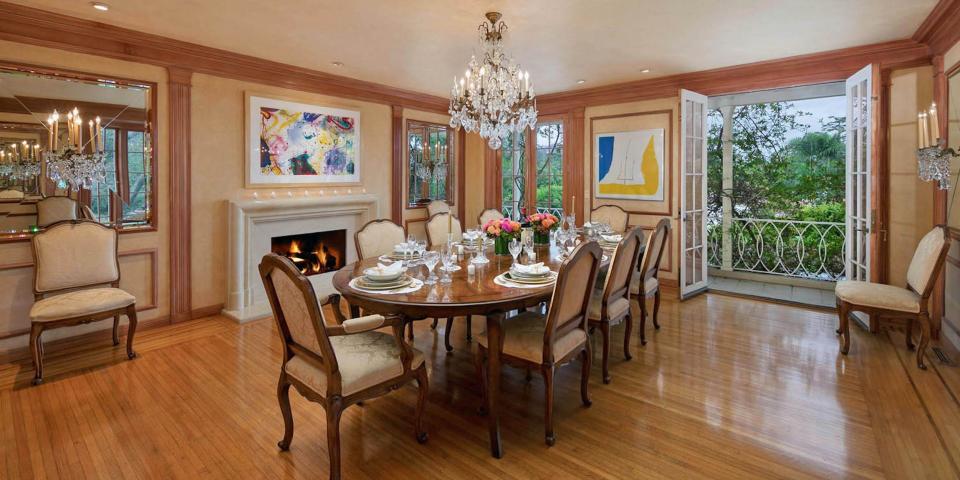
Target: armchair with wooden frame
{"type": "Point", "coordinates": [77, 281]}
{"type": "Point", "coordinates": [647, 283]}
{"type": "Point", "coordinates": [544, 342]}
{"type": "Point", "coordinates": [612, 215]}
{"type": "Point", "coordinates": [335, 365]}
{"type": "Point", "coordinates": [888, 301]}
{"type": "Point", "coordinates": [610, 304]}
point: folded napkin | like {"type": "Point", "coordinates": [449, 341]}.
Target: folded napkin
{"type": "Point", "coordinates": [535, 269]}
{"type": "Point", "coordinates": [391, 269]}
{"type": "Point", "coordinates": [587, 224]}
{"type": "Point", "coordinates": [612, 238]}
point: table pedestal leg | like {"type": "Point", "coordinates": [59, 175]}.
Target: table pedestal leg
{"type": "Point", "coordinates": [494, 347]}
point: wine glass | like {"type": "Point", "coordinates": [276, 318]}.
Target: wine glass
{"type": "Point", "coordinates": [430, 260]}
{"type": "Point", "coordinates": [481, 257]}
{"type": "Point", "coordinates": [515, 249]}
{"type": "Point", "coordinates": [447, 259]}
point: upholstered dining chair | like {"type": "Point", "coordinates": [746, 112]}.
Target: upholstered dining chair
{"type": "Point", "coordinates": [610, 302]}
{"type": "Point", "coordinates": [51, 210]}
{"type": "Point", "coordinates": [487, 215]}
{"type": "Point", "coordinates": [438, 227]}
{"type": "Point", "coordinates": [377, 237]}
{"type": "Point", "coordinates": [888, 301]}
{"type": "Point", "coordinates": [76, 281]}
{"type": "Point", "coordinates": [335, 365]}
{"type": "Point", "coordinates": [612, 215]}
{"type": "Point", "coordinates": [437, 206]}
{"type": "Point", "coordinates": [647, 283]}
{"type": "Point", "coordinates": [545, 342]}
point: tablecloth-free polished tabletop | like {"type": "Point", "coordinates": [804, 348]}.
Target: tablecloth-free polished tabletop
{"type": "Point", "coordinates": [466, 295]}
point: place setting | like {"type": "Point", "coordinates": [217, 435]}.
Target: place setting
{"type": "Point", "coordinates": [536, 275]}
{"type": "Point", "coordinates": [410, 252]}
{"type": "Point", "coordinates": [386, 279]}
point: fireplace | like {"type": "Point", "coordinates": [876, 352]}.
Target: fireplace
{"type": "Point", "coordinates": [313, 253]}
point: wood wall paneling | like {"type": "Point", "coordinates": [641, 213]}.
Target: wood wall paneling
{"type": "Point", "coordinates": [462, 176]}
{"type": "Point", "coordinates": [397, 190]}
{"type": "Point", "coordinates": [179, 134]}
{"type": "Point", "coordinates": [40, 27]}
{"type": "Point", "coordinates": [573, 162]}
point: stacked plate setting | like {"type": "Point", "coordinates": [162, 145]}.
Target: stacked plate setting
{"type": "Point", "coordinates": [543, 277]}
{"type": "Point", "coordinates": [375, 279]}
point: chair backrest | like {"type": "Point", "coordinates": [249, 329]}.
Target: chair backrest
{"type": "Point", "coordinates": [439, 225]}
{"type": "Point", "coordinates": [437, 206]}
{"type": "Point", "coordinates": [487, 215]}
{"type": "Point", "coordinates": [297, 313]}
{"type": "Point", "coordinates": [612, 215]}
{"type": "Point", "coordinates": [623, 266]}
{"type": "Point", "coordinates": [74, 254]}
{"type": "Point", "coordinates": [571, 295]}
{"type": "Point", "coordinates": [51, 210]}
{"type": "Point", "coordinates": [650, 265]}
{"type": "Point", "coordinates": [377, 237]}
{"type": "Point", "coordinates": [86, 213]}
{"type": "Point", "coordinates": [928, 261]}
{"type": "Point", "coordinates": [11, 193]}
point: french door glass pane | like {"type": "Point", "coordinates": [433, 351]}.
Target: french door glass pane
{"type": "Point", "coordinates": [513, 165]}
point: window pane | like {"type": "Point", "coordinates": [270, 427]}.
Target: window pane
{"type": "Point", "coordinates": [550, 168]}
{"type": "Point", "coordinates": [513, 158]}
{"type": "Point", "coordinates": [138, 177]}
{"type": "Point", "coordinates": [100, 193]}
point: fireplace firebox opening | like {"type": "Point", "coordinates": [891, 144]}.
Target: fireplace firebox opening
{"type": "Point", "coordinates": [313, 253]}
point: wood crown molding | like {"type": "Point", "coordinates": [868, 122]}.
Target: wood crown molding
{"type": "Point", "coordinates": [941, 29]}
{"type": "Point", "coordinates": [830, 66]}
{"type": "Point", "coordinates": [39, 27]}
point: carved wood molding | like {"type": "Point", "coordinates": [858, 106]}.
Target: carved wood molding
{"type": "Point", "coordinates": [834, 65]}
{"type": "Point", "coordinates": [39, 27]}
{"type": "Point", "coordinates": [941, 29]}
{"type": "Point", "coordinates": [396, 185]}
{"type": "Point", "coordinates": [179, 135]}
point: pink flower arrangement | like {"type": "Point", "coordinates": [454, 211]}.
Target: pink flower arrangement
{"type": "Point", "coordinates": [503, 227]}
{"type": "Point", "coordinates": [543, 222]}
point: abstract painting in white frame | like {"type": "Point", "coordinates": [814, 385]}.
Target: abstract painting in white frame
{"type": "Point", "coordinates": [629, 165]}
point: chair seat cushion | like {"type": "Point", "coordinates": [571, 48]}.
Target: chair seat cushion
{"type": "Point", "coordinates": [878, 295]}
{"type": "Point", "coordinates": [650, 286]}
{"type": "Point", "coordinates": [365, 359]}
{"type": "Point", "coordinates": [615, 311]}
{"type": "Point", "coordinates": [80, 302]}
{"type": "Point", "coordinates": [523, 338]}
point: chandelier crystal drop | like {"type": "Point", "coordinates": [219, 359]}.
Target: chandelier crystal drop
{"type": "Point", "coordinates": [494, 97]}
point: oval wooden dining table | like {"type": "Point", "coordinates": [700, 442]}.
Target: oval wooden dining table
{"type": "Point", "coordinates": [466, 295]}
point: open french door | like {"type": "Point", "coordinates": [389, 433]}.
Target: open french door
{"type": "Point", "coordinates": [859, 181]}
{"type": "Point", "coordinates": [693, 193]}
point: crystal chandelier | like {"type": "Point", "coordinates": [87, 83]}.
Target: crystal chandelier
{"type": "Point", "coordinates": [494, 98]}
{"type": "Point", "coordinates": [933, 164]}
{"type": "Point", "coordinates": [75, 163]}
{"type": "Point", "coordinates": [21, 162]}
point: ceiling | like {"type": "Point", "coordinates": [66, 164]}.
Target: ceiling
{"type": "Point", "coordinates": [421, 44]}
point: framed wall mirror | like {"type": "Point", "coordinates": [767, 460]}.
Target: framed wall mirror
{"type": "Point", "coordinates": [432, 159]}
{"type": "Point", "coordinates": [88, 138]}
{"type": "Point", "coordinates": [953, 140]}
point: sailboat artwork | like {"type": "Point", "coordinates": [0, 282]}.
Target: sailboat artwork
{"type": "Point", "coordinates": [629, 165]}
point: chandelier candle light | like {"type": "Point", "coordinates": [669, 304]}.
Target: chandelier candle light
{"type": "Point", "coordinates": [494, 97]}
{"type": "Point", "coordinates": [76, 163]}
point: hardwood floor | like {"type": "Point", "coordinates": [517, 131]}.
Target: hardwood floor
{"type": "Point", "coordinates": [729, 388]}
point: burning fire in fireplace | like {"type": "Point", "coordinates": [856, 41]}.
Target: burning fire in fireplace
{"type": "Point", "coordinates": [313, 253]}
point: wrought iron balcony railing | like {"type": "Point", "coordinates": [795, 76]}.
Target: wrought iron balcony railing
{"type": "Point", "coordinates": [795, 248]}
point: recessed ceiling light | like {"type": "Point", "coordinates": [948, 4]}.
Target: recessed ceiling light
{"type": "Point", "coordinates": [103, 7]}
{"type": "Point", "coordinates": [645, 70]}
{"type": "Point", "coordinates": [337, 64]}
{"type": "Point", "coordinates": [581, 81]}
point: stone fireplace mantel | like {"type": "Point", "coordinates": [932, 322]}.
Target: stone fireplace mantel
{"type": "Point", "coordinates": [253, 223]}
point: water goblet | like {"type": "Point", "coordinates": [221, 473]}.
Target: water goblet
{"type": "Point", "coordinates": [515, 249]}
{"type": "Point", "coordinates": [447, 258]}
{"type": "Point", "coordinates": [430, 260]}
